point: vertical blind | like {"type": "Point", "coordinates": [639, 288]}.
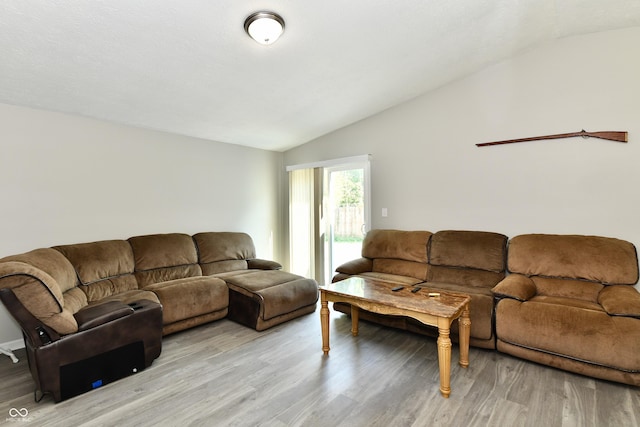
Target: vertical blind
{"type": "Point", "coordinates": [301, 226]}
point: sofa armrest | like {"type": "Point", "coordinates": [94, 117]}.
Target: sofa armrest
{"type": "Point", "coordinates": [356, 266]}
{"type": "Point", "coordinates": [515, 286]}
{"type": "Point", "coordinates": [263, 264]}
{"type": "Point", "coordinates": [620, 300]}
{"type": "Point", "coordinates": [33, 328]}
{"type": "Point", "coordinates": [99, 314]}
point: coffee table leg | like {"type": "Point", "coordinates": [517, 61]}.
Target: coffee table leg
{"type": "Point", "coordinates": [464, 323]}
{"type": "Point", "coordinates": [355, 316]}
{"type": "Point", "coordinates": [324, 322]}
{"type": "Point", "coordinates": [444, 357]}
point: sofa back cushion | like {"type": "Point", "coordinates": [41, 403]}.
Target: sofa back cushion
{"type": "Point", "coordinates": [41, 279]}
{"type": "Point", "coordinates": [397, 252]}
{"type": "Point", "coordinates": [103, 268]}
{"type": "Point", "coordinates": [588, 258]}
{"type": "Point", "coordinates": [221, 252]}
{"type": "Point", "coordinates": [481, 250]}
{"type": "Point", "coordinates": [396, 244]}
{"type": "Point", "coordinates": [473, 258]}
{"type": "Point", "coordinates": [163, 257]}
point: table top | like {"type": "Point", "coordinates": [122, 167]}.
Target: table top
{"type": "Point", "coordinates": [447, 304]}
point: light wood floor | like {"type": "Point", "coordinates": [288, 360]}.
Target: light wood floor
{"type": "Point", "coordinates": [223, 374]}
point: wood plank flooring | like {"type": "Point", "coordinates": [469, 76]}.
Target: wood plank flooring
{"type": "Point", "coordinates": [224, 374]}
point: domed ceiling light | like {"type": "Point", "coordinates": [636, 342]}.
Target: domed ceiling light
{"type": "Point", "coordinates": [264, 27]}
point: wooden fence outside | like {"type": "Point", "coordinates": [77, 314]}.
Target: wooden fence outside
{"type": "Point", "coordinates": [348, 222]}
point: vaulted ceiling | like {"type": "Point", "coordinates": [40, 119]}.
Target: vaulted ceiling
{"type": "Point", "coordinates": [187, 67]}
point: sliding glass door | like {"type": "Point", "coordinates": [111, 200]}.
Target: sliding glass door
{"type": "Point", "coordinates": [347, 202]}
{"type": "Point", "coordinates": [329, 214]}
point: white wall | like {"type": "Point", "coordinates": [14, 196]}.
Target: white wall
{"type": "Point", "coordinates": [66, 179]}
{"type": "Point", "coordinates": [430, 175]}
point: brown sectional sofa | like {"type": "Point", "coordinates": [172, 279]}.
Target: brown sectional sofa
{"type": "Point", "coordinates": [83, 306]}
{"type": "Point", "coordinates": [561, 300]}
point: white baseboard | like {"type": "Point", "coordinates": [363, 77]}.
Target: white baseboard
{"type": "Point", "coordinates": [12, 345]}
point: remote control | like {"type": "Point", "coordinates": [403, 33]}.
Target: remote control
{"type": "Point", "coordinates": [397, 288]}
{"type": "Point", "coordinates": [414, 290]}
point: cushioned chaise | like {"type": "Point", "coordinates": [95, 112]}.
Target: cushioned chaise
{"type": "Point", "coordinates": [260, 295]}
{"type": "Point", "coordinates": [570, 303]}
{"type": "Point", "coordinates": [263, 299]}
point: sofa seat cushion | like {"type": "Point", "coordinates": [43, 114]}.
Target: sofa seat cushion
{"type": "Point", "coordinates": [587, 335]}
{"type": "Point", "coordinates": [394, 278]}
{"type": "Point", "coordinates": [276, 292]}
{"type": "Point", "coordinates": [190, 297]}
{"type": "Point", "coordinates": [128, 297]}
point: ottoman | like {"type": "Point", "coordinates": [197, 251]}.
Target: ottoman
{"type": "Point", "coordinates": [263, 299]}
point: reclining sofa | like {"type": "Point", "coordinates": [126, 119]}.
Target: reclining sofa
{"type": "Point", "coordinates": [570, 303]}
{"type": "Point", "coordinates": [92, 313]}
{"type": "Point", "coordinates": [472, 262]}
{"type": "Point", "coordinates": [565, 301]}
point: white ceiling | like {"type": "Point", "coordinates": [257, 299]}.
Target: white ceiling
{"type": "Point", "coordinates": [187, 67]}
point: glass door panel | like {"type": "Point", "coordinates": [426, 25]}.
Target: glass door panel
{"type": "Point", "coordinates": [347, 204]}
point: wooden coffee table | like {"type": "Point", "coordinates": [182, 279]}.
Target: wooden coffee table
{"type": "Point", "coordinates": [376, 296]}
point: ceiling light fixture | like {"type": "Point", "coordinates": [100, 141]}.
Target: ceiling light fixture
{"type": "Point", "coordinates": [264, 27]}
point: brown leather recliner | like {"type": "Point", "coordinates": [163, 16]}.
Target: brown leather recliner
{"type": "Point", "coordinates": [65, 336]}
